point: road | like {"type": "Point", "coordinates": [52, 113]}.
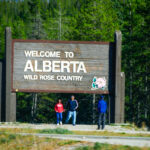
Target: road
{"type": "Point", "coordinates": [130, 141]}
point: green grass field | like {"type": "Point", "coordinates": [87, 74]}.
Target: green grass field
{"type": "Point", "coordinates": [20, 142]}
{"type": "Point", "coordinates": [65, 131]}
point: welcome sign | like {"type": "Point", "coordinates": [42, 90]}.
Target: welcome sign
{"type": "Point", "coordinates": [60, 66]}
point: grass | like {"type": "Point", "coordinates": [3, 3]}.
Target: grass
{"type": "Point", "coordinates": [19, 142]}
{"type": "Point", "coordinates": [99, 146]}
{"type": "Point", "coordinates": [30, 142]}
{"type": "Point", "coordinates": [65, 131]}
{"type": "Point", "coordinates": [55, 131]}
{"type": "Point", "coordinates": [131, 126]}
{"type": "Point", "coordinates": [107, 133]}
{"type": "Point", "coordinates": [28, 130]}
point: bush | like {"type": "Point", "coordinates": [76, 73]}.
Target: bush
{"type": "Point", "coordinates": [84, 148]}
{"type": "Point", "coordinates": [12, 137]}
{"type": "Point", "coordinates": [3, 140]}
{"type": "Point", "coordinates": [56, 131]}
{"type": "Point", "coordinates": [97, 146]}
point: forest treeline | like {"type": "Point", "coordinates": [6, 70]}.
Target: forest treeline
{"type": "Point", "coordinates": [86, 20]}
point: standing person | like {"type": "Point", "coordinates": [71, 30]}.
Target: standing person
{"type": "Point", "coordinates": [72, 106]}
{"type": "Point", "coordinates": [59, 109]}
{"type": "Point", "coordinates": [102, 107]}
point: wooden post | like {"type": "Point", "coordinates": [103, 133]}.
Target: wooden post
{"type": "Point", "coordinates": [1, 91]}
{"type": "Point", "coordinates": [122, 97]}
{"type": "Point", "coordinates": [118, 42]}
{"type": "Point", "coordinates": [10, 101]}
{"type": "Point", "coordinates": [93, 116]}
{"type": "Point", "coordinates": [109, 109]}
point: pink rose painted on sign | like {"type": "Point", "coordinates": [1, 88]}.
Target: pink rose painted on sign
{"type": "Point", "coordinates": [101, 82]}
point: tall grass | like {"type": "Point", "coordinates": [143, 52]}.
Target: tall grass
{"type": "Point", "coordinates": [6, 138]}
{"type": "Point", "coordinates": [30, 142]}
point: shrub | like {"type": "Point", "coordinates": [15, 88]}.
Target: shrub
{"type": "Point", "coordinates": [56, 131]}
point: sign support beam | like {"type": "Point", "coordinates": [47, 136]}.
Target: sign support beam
{"type": "Point", "coordinates": [118, 86]}
{"type": "Point", "coordinates": [1, 64]}
{"type": "Point", "coordinates": [122, 97]}
{"type": "Point", "coordinates": [93, 105]}
{"type": "Point", "coordinates": [10, 97]}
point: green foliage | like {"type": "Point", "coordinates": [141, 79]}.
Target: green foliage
{"type": "Point", "coordinates": [56, 131]}
{"type": "Point", "coordinates": [96, 21]}
{"type": "Point", "coordinates": [99, 146]}
{"type": "Point", "coordinates": [8, 138]}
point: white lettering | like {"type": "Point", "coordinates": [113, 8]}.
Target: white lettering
{"type": "Point", "coordinates": [81, 67]}
{"type": "Point", "coordinates": [46, 77]}
{"type": "Point", "coordinates": [28, 66]}
{"type": "Point", "coordinates": [65, 65]}
{"type": "Point", "coordinates": [55, 66]}
{"type": "Point", "coordinates": [69, 78]}
{"type": "Point", "coordinates": [47, 66]}
{"type": "Point", "coordinates": [36, 67]}
{"type": "Point", "coordinates": [42, 54]}
{"type": "Point", "coordinates": [69, 54]}
{"type": "Point", "coordinates": [30, 77]}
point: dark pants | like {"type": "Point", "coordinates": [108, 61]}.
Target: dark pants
{"type": "Point", "coordinates": [101, 120]}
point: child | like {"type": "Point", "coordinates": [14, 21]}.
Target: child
{"type": "Point", "coordinates": [59, 109]}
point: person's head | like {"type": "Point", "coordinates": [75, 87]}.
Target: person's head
{"type": "Point", "coordinates": [59, 100]}
{"type": "Point", "coordinates": [72, 97]}
{"type": "Point", "coordinates": [102, 96]}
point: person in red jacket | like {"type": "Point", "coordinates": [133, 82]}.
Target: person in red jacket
{"type": "Point", "coordinates": [59, 109]}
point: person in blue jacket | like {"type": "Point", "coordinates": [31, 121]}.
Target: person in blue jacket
{"type": "Point", "coordinates": [102, 108]}
{"type": "Point", "coordinates": [72, 106]}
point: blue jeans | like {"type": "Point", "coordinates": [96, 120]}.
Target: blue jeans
{"type": "Point", "coordinates": [59, 117]}
{"type": "Point", "coordinates": [73, 115]}
{"type": "Point", "coordinates": [101, 120]}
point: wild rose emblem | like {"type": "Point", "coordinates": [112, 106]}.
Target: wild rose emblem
{"type": "Point", "coordinates": [99, 83]}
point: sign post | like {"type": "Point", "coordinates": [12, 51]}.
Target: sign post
{"type": "Point", "coordinates": [10, 101]}
{"type": "Point", "coordinates": [118, 80]}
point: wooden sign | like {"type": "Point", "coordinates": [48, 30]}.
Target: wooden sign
{"type": "Point", "coordinates": [61, 66]}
